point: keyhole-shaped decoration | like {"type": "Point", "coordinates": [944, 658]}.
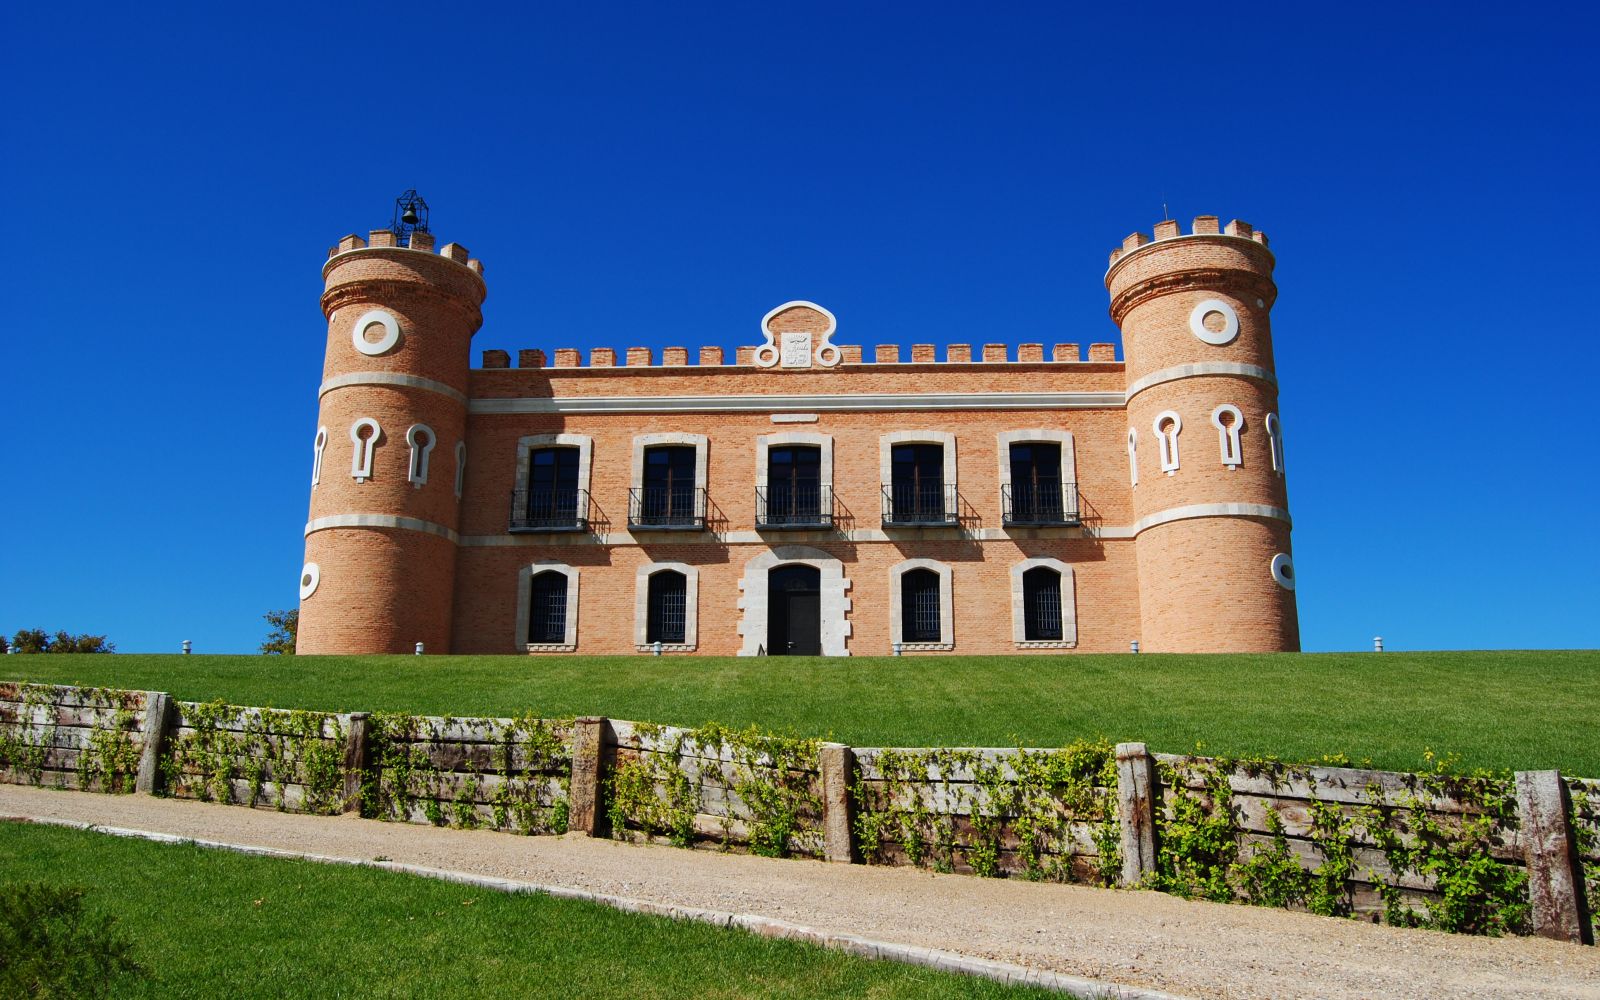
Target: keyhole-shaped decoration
{"type": "Point", "coordinates": [421, 439]}
{"type": "Point", "coordinates": [1166, 426]}
{"type": "Point", "coordinates": [361, 461]}
{"type": "Point", "coordinates": [1229, 422]}
{"type": "Point", "coordinates": [1275, 441]}
{"type": "Point", "coordinates": [1133, 457]}
{"type": "Point", "coordinates": [316, 455]}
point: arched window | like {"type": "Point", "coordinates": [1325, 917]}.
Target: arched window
{"type": "Point", "coordinates": [547, 608]}
{"type": "Point", "coordinates": [919, 606]}
{"type": "Point", "coordinates": [1044, 610]}
{"type": "Point", "coordinates": [668, 607]}
{"type": "Point", "coordinates": [1041, 604]}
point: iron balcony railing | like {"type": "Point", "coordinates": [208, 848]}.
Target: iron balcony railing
{"type": "Point", "coordinates": [667, 507]}
{"type": "Point", "coordinates": [794, 507]}
{"type": "Point", "coordinates": [917, 503]}
{"type": "Point", "coordinates": [1044, 503]}
{"type": "Point", "coordinates": [549, 509]}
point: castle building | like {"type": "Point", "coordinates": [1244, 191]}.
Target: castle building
{"type": "Point", "coordinates": [797, 498]}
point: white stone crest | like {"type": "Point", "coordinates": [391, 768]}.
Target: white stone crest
{"type": "Point", "coordinates": [797, 348]}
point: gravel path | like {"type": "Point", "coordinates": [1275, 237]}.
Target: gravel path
{"type": "Point", "coordinates": [1139, 939]}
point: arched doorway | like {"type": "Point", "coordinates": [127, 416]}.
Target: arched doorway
{"type": "Point", "coordinates": [794, 611]}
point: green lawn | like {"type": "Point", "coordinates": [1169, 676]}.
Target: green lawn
{"type": "Point", "coordinates": [212, 923]}
{"type": "Point", "coordinates": [1514, 710]}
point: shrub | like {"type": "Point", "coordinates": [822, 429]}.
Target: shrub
{"type": "Point", "coordinates": [49, 947]}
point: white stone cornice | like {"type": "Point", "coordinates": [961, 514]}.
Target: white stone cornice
{"type": "Point", "coordinates": [1200, 369]}
{"type": "Point", "coordinates": [391, 379]}
{"type": "Point", "coordinates": [862, 402]}
{"type": "Point", "coordinates": [1211, 510]}
{"type": "Point", "coordinates": [380, 521]}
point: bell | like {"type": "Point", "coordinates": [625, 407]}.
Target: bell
{"type": "Point", "coordinates": [410, 216]}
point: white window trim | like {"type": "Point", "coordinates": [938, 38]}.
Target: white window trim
{"type": "Point", "coordinates": [643, 441]}
{"type": "Point", "coordinates": [528, 443]}
{"type": "Point", "coordinates": [525, 594]}
{"type": "Point", "coordinates": [886, 443]}
{"type": "Point", "coordinates": [317, 445]}
{"type": "Point", "coordinates": [1167, 441]}
{"type": "Point", "coordinates": [1069, 458]}
{"type": "Point", "coordinates": [691, 607]}
{"type": "Point", "coordinates": [1228, 434]}
{"type": "Point", "coordinates": [1069, 606]}
{"type": "Point", "coordinates": [836, 627]}
{"type": "Point", "coordinates": [461, 467]}
{"type": "Point", "coordinates": [1274, 428]}
{"type": "Point", "coordinates": [361, 461]}
{"type": "Point", "coordinates": [417, 471]}
{"type": "Point", "coordinates": [766, 442]}
{"type": "Point", "coordinates": [947, 606]}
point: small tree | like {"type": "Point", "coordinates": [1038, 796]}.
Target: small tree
{"type": "Point", "coordinates": [285, 627]}
{"type": "Point", "coordinates": [31, 640]}
{"type": "Point", "coordinates": [37, 640]}
{"type": "Point", "coordinates": [49, 947]}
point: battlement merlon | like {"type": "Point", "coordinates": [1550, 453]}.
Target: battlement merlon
{"type": "Point", "coordinates": [642, 359]}
{"type": "Point", "coordinates": [1210, 256]}
{"type": "Point", "coordinates": [355, 262]}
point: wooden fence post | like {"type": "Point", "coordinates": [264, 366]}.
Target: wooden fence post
{"type": "Point", "coordinates": [1554, 879]}
{"type": "Point", "coordinates": [836, 764]}
{"type": "Point", "coordinates": [158, 713]}
{"type": "Point", "coordinates": [355, 760]}
{"type": "Point", "coordinates": [591, 734]}
{"type": "Point", "coordinates": [1136, 810]}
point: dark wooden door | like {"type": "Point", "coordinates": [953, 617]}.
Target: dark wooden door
{"type": "Point", "coordinates": [794, 611]}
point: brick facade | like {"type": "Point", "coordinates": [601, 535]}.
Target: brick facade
{"type": "Point", "coordinates": [1195, 558]}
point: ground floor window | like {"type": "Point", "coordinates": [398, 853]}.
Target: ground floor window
{"type": "Point", "coordinates": [922, 605]}
{"type": "Point", "coordinates": [667, 602]}
{"type": "Point", "coordinates": [547, 608]}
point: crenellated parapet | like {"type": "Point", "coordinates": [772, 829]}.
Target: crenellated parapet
{"type": "Point", "coordinates": [850, 355]}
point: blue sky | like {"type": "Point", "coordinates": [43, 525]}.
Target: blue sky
{"type": "Point", "coordinates": [664, 174]}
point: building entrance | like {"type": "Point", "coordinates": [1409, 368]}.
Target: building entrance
{"type": "Point", "coordinates": [794, 611]}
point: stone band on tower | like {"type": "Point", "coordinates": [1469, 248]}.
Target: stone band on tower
{"type": "Point", "coordinates": [390, 445]}
{"type": "Point", "coordinates": [1205, 442]}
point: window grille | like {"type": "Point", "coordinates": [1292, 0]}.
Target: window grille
{"type": "Point", "coordinates": [547, 611]}
{"type": "Point", "coordinates": [1041, 602]}
{"type": "Point", "coordinates": [668, 602]}
{"type": "Point", "coordinates": [919, 606]}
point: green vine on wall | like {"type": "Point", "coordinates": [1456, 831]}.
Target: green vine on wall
{"type": "Point", "coordinates": [1202, 851]}
{"type": "Point", "coordinates": [660, 791]}
{"type": "Point", "coordinates": [108, 757]}
{"type": "Point", "coordinates": [225, 745]}
{"type": "Point", "coordinates": [1584, 817]}
{"type": "Point", "coordinates": [1035, 805]}
{"type": "Point", "coordinates": [527, 761]}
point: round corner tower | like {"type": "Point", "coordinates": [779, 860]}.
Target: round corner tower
{"type": "Point", "coordinates": [1205, 443]}
{"type": "Point", "coordinates": [390, 446]}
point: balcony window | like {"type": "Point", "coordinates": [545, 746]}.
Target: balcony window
{"type": "Point", "coordinates": [1037, 486]}
{"type": "Point", "coordinates": [918, 493]}
{"type": "Point", "coordinates": [551, 499]}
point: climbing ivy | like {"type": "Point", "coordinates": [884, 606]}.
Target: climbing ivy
{"type": "Point", "coordinates": [1584, 817]}
{"type": "Point", "coordinates": [108, 757]}
{"type": "Point", "coordinates": [1033, 804]}
{"type": "Point", "coordinates": [526, 761]}
{"type": "Point", "coordinates": [220, 747]}
{"type": "Point", "coordinates": [659, 791]}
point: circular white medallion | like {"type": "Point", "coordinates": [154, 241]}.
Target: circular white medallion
{"type": "Point", "coordinates": [310, 576]}
{"type": "Point", "coordinates": [385, 343]}
{"type": "Point", "coordinates": [1283, 570]}
{"type": "Point", "coordinates": [1197, 322]}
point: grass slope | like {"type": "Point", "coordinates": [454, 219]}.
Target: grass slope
{"type": "Point", "coordinates": [1513, 710]}
{"type": "Point", "coordinates": [209, 923]}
